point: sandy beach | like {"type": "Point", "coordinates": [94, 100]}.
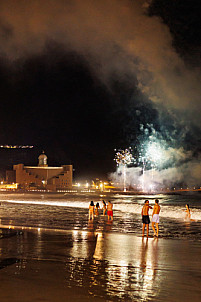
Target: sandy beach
{"type": "Point", "coordinates": [55, 265]}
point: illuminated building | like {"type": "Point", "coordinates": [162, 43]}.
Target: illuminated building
{"type": "Point", "coordinates": [41, 176]}
{"type": "Point", "coordinates": [10, 187]}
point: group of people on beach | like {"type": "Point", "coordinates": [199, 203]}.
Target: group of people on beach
{"type": "Point", "coordinates": [155, 217]}
{"type": "Point", "coordinates": [107, 208]}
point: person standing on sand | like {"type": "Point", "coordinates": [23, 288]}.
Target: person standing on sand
{"type": "Point", "coordinates": [145, 217]}
{"type": "Point", "coordinates": [96, 209]}
{"type": "Point", "coordinates": [104, 208]}
{"type": "Point", "coordinates": [91, 210]}
{"type": "Point", "coordinates": [155, 217]}
{"type": "Point", "coordinates": [110, 210]}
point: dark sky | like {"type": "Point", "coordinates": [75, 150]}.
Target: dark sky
{"type": "Point", "coordinates": [80, 78]}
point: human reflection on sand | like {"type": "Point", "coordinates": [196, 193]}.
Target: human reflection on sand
{"type": "Point", "coordinates": [132, 265]}
{"type": "Point", "coordinates": [108, 266]}
{"type": "Point", "coordinates": [147, 270]}
{"type": "Point", "coordinates": [84, 244]}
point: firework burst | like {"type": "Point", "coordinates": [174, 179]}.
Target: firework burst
{"type": "Point", "coordinates": [124, 157]}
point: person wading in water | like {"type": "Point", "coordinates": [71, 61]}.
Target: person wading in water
{"type": "Point", "coordinates": [145, 217]}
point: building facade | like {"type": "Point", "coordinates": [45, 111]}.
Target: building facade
{"type": "Point", "coordinates": [42, 176]}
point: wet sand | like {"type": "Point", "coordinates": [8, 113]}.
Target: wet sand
{"type": "Point", "coordinates": [53, 265]}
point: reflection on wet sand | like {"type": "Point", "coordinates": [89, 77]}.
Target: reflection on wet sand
{"type": "Point", "coordinates": [106, 264]}
{"type": "Point", "coordinates": [147, 270]}
{"type": "Point", "coordinates": [110, 266]}
{"type": "Point", "coordinates": [135, 273]}
{"type": "Point", "coordinates": [84, 244]}
{"type": "Point", "coordinates": [126, 264]}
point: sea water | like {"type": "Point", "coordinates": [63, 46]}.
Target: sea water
{"type": "Point", "coordinates": [65, 211]}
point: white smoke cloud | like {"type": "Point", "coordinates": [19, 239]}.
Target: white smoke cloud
{"type": "Point", "coordinates": [116, 37]}
{"type": "Point", "coordinates": [182, 169]}
{"type": "Point", "coordinates": [187, 174]}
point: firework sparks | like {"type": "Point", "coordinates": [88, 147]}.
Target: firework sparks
{"type": "Point", "coordinates": [124, 157]}
{"type": "Point", "coordinates": [155, 153]}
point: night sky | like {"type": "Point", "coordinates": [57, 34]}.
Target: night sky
{"type": "Point", "coordinates": [81, 78]}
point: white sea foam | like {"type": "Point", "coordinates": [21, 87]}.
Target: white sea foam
{"type": "Point", "coordinates": [167, 211]}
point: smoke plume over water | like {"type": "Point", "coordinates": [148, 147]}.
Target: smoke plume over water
{"type": "Point", "coordinates": [120, 41]}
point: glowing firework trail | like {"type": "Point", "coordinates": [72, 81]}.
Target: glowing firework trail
{"type": "Point", "coordinates": [124, 158]}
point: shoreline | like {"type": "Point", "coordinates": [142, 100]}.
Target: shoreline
{"type": "Point", "coordinates": [36, 229]}
{"type": "Point", "coordinates": [82, 193]}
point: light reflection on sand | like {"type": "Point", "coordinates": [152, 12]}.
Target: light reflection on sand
{"type": "Point", "coordinates": [132, 261]}
{"type": "Point", "coordinates": [110, 266]}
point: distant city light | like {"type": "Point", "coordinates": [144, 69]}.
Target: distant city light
{"type": "Point", "coordinates": [16, 147]}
